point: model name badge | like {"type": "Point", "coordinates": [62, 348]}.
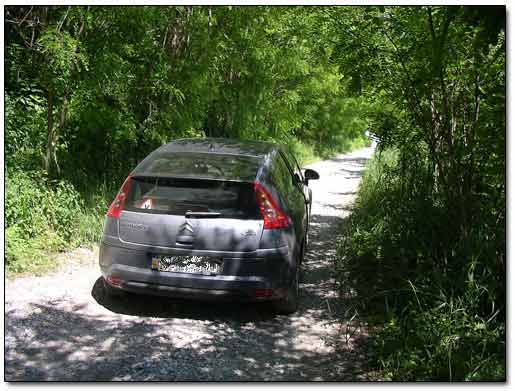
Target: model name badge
{"type": "Point", "coordinates": [136, 227]}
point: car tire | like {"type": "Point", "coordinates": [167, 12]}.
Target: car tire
{"type": "Point", "coordinates": [301, 261]}
{"type": "Point", "coordinates": [289, 304]}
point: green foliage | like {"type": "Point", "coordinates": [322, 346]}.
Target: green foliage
{"type": "Point", "coordinates": [304, 153]}
{"type": "Point", "coordinates": [425, 247]}
{"type": "Point", "coordinates": [62, 54]}
{"type": "Point", "coordinates": [442, 320]}
{"type": "Point", "coordinates": [24, 254]}
{"type": "Point", "coordinates": [445, 342]}
{"type": "Point", "coordinates": [33, 207]}
{"type": "Point", "coordinates": [126, 80]}
{"type": "Point", "coordinates": [23, 134]}
{"type": "Point", "coordinates": [40, 219]}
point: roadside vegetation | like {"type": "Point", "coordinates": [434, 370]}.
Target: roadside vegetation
{"type": "Point", "coordinates": [424, 251]}
{"type": "Point", "coordinates": [90, 91]}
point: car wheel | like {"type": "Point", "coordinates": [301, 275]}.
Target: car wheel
{"type": "Point", "coordinates": [289, 304]}
{"type": "Point", "coordinates": [301, 261]}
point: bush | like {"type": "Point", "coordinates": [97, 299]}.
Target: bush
{"type": "Point", "coordinates": [34, 207]}
{"type": "Point", "coordinates": [90, 227]}
{"type": "Point", "coordinates": [30, 254]}
{"type": "Point", "coordinates": [444, 340]}
{"type": "Point", "coordinates": [438, 301]}
{"type": "Point", "coordinates": [41, 219]}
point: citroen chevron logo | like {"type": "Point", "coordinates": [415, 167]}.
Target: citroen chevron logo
{"type": "Point", "coordinates": [186, 227]}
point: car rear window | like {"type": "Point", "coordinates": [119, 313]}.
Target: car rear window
{"type": "Point", "coordinates": [178, 196]}
{"type": "Point", "coordinates": [200, 165]}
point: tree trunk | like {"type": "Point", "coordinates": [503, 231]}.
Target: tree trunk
{"type": "Point", "coordinates": [50, 133]}
{"type": "Point", "coordinates": [51, 164]}
{"type": "Point", "coordinates": [62, 121]}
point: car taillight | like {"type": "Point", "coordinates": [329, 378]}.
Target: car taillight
{"type": "Point", "coordinates": [119, 202]}
{"type": "Point", "coordinates": [273, 216]}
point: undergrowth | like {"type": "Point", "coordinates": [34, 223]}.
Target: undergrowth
{"type": "Point", "coordinates": [434, 304]}
{"type": "Point", "coordinates": [42, 219]}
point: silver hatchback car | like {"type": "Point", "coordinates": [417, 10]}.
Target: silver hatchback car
{"type": "Point", "coordinates": [210, 219]}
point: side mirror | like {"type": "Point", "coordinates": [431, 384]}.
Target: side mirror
{"type": "Point", "coordinates": [310, 174]}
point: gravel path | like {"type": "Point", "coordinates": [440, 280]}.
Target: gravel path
{"type": "Point", "coordinates": [61, 327]}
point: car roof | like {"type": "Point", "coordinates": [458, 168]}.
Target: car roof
{"type": "Point", "coordinates": [221, 146]}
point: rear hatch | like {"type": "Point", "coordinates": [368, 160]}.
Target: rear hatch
{"type": "Point", "coordinates": [193, 203]}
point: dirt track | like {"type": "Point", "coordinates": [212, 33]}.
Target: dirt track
{"type": "Point", "coordinates": [62, 327]}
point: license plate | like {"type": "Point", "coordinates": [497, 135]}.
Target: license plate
{"type": "Point", "coordinates": [187, 264]}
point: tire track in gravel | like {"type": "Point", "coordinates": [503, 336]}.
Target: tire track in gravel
{"type": "Point", "coordinates": [61, 326]}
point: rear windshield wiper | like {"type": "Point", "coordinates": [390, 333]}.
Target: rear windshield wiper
{"type": "Point", "coordinates": [202, 214]}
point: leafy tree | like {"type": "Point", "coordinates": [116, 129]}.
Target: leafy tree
{"type": "Point", "coordinates": [440, 82]}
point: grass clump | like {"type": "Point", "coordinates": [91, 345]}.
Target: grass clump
{"type": "Point", "coordinates": [42, 219]}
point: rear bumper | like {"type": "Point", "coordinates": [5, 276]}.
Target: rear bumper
{"type": "Point", "coordinates": [239, 280]}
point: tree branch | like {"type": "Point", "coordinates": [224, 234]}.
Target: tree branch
{"type": "Point", "coordinates": [60, 24]}
{"type": "Point", "coordinates": [408, 76]}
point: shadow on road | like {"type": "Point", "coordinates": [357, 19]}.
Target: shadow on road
{"type": "Point", "coordinates": [165, 307]}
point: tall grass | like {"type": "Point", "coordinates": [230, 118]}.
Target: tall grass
{"type": "Point", "coordinates": [42, 219]}
{"type": "Point", "coordinates": [431, 318]}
